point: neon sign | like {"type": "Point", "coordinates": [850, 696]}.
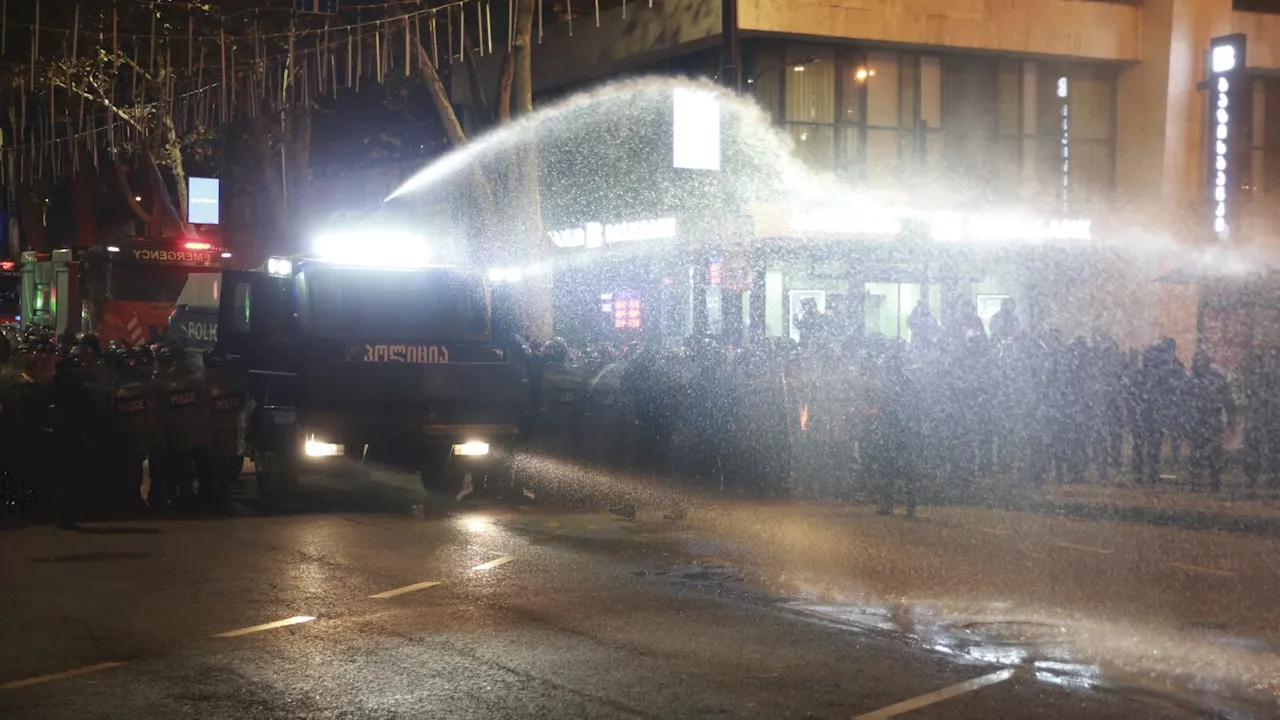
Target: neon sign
{"type": "Point", "coordinates": [1225, 63]}
{"type": "Point", "coordinates": [1066, 140]}
{"type": "Point", "coordinates": [594, 235]}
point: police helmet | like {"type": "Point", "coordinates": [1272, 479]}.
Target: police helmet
{"type": "Point", "coordinates": [144, 355]}
{"type": "Point", "coordinates": [214, 358]}
{"type": "Point", "coordinates": [90, 340]}
{"type": "Point", "coordinates": [556, 349]}
{"type": "Point", "coordinates": [171, 353]}
{"type": "Point", "coordinates": [80, 355]}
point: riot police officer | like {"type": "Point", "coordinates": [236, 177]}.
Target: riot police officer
{"type": "Point", "coordinates": [219, 463]}
{"type": "Point", "coordinates": [1208, 403]}
{"type": "Point", "coordinates": [185, 422]}
{"type": "Point", "coordinates": [132, 419]}
{"type": "Point", "coordinates": [72, 414]}
{"type": "Point", "coordinates": [559, 406]}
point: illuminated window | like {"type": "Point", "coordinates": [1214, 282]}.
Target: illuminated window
{"type": "Point", "coordinates": [628, 313]}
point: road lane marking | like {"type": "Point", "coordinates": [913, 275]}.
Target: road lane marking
{"type": "Point", "coordinates": [1086, 548]}
{"type": "Point", "coordinates": [996, 531]}
{"type": "Point", "coordinates": [495, 563]}
{"type": "Point", "coordinates": [938, 696]}
{"type": "Point", "coordinates": [405, 589]}
{"type": "Point", "coordinates": [1199, 569]}
{"type": "Point", "coordinates": [60, 675]}
{"type": "Point", "coordinates": [268, 626]}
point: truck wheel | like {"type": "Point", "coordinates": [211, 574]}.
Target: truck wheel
{"type": "Point", "coordinates": [277, 480]}
{"type": "Point", "coordinates": [442, 485]}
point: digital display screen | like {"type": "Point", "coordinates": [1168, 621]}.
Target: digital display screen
{"type": "Point", "coordinates": [202, 201]}
{"type": "Point", "coordinates": [696, 129]}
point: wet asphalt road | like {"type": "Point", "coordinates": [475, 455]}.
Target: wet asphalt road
{"type": "Point", "coordinates": [740, 610]}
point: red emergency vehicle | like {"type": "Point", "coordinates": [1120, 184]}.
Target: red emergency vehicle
{"type": "Point", "coordinates": [121, 292]}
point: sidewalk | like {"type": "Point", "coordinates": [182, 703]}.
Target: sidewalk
{"type": "Point", "coordinates": [1171, 502]}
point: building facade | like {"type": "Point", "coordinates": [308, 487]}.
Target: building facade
{"type": "Point", "coordinates": [965, 113]}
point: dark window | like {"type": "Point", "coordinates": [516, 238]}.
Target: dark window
{"type": "Point", "coordinates": [418, 305]}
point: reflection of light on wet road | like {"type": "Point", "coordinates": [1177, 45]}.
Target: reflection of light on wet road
{"type": "Point", "coordinates": [403, 590]}
{"type": "Point", "coordinates": [495, 563]}
{"type": "Point", "coordinates": [267, 626]}
{"type": "Point", "coordinates": [477, 524]}
{"type": "Point", "coordinates": [1199, 569]}
{"type": "Point", "coordinates": [938, 696]}
{"type": "Point", "coordinates": [1085, 548]}
{"type": "Point", "coordinates": [16, 684]}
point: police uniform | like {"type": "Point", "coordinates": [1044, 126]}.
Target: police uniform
{"type": "Point", "coordinates": [180, 394]}
{"type": "Point", "coordinates": [219, 464]}
{"type": "Point", "coordinates": [133, 427]}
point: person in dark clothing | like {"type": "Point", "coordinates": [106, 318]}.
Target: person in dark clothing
{"type": "Point", "coordinates": [922, 324]}
{"type": "Point", "coordinates": [1209, 404]}
{"type": "Point", "coordinates": [73, 410]}
{"type": "Point", "coordinates": [1108, 392]}
{"type": "Point", "coordinates": [1161, 390]}
{"type": "Point", "coordinates": [891, 439]}
{"type": "Point", "coordinates": [1068, 388]}
{"type": "Point", "coordinates": [1261, 417]}
{"type": "Point", "coordinates": [811, 323]}
{"type": "Point", "coordinates": [1004, 324]}
{"type": "Point", "coordinates": [969, 323]}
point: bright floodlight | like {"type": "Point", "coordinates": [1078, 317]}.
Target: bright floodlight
{"type": "Point", "coordinates": [279, 267]}
{"type": "Point", "coordinates": [316, 448]}
{"type": "Point", "coordinates": [1224, 58]}
{"type": "Point", "coordinates": [472, 449]}
{"type": "Point", "coordinates": [374, 248]}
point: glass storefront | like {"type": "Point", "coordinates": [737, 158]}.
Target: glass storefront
{"type": "Point", "coordinates": [980, 126]}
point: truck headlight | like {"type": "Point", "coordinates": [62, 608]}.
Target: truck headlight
{"type": "Point", "coordinates": [471, 449]}
{"type": "Point", "coordinates": [317, 448]}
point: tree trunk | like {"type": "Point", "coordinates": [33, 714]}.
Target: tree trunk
{"type": "Point", "coordinates": [477, 88]}
{"type": "Point", "coordinates": [537, 305]}
{"type": "Point", "coordinates": [453, 129]}
{"type": "Point", "coordinates": [269, 167]}
{"type": "Point", "coordinates": [504, 85]}
{"type": "Point", "coordinates": [31, 210]}
{"type": "Point", "coordinates": [162, 205]}
{"type": "Point", "coordinates": [299, 145]}
{"type": "Point", "coordinates": [126, 187]}
{"type": "Point", "coordinates": [171, 157]}
{"type": "Point", "coordinates": [83, 196]}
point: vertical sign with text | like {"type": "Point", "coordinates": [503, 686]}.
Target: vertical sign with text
{"type": "Point", "coordinates": [1225, 136]}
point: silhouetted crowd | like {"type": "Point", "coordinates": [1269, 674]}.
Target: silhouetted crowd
{"type": "Point", "coordinates": [892, 419]}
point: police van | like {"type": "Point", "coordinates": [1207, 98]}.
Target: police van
{"type": "Point", "coordinates": [194, 319]}
{"type": "Point", "coordinates": [351, 362]}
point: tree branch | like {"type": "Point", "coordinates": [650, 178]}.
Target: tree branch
{"type": "Point", "coordinates": [127, 188]}
{"type": "Point", "coordinates": [104, 102]}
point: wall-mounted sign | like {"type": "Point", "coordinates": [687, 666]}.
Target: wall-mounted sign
{"type": "Point", "coordinates": [962, 227]}
{"type": "Point", "coordinates": [1227, 88]}
{"type": "Point", "coordinates": [594, 235]}
{"type": "Point", "coordinates": [202, 201]}
{"type": "Point", "coordinates": [858, 221]}
{"type": "Point", "coordinates": [715, 271]}
{"type": "Point", "coordinates": [695, 141]}
{"type": "Point", "coordinates": [1064, 153]}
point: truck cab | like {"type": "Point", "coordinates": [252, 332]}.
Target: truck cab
{"type": "Point", "coordinates": [125, 292]}
{"type": "Point", "coordinates": [351, 364]}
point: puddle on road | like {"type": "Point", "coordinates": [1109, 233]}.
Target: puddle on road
{"type": "Point", "coordinates": [1197, 672]}
{"type": "Point", "coordinates": [91, 557]}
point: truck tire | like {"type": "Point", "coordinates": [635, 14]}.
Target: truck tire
{"type": "Point", "coordinates": [442, 483]}
{"type": "Point", "coordinates": [277, 480]}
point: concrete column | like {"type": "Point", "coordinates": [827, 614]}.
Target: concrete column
{"type": "Point", "coordinates": [1159, 111]}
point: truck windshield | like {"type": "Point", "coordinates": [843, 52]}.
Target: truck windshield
{"type": "Point", "coordinates": [437, 304]}
{"type": "Point", "coordinates": [149, 283]}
